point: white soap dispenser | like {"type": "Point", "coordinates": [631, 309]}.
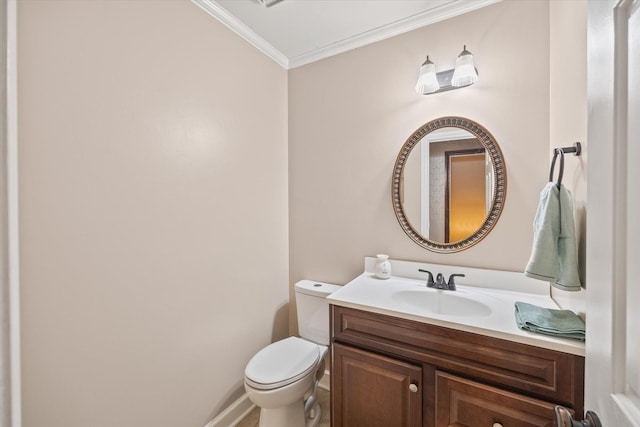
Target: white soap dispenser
{"type": "Point", "coordinates": [382, 268]}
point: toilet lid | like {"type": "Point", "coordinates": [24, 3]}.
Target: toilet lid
{"type": "Point", "coordinates": [282, 363]}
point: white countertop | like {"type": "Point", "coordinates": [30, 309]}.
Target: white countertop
{"type": "Point", "coordinates": [368, 293]}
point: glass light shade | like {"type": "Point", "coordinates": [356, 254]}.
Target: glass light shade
{"type": "Point", "coordinates": [427, 79]}
{"type": "Point", "coordinates": [465, 73]}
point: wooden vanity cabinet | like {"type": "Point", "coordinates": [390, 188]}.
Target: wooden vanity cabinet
{"type": "Point", "coordinates": [389, 372]}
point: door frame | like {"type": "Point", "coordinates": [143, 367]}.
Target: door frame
{"type": "Point", "coordinates": [607, 257]}
{"type": "Point", "coordinates": [9, 239]}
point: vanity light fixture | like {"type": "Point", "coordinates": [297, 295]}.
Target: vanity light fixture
{"type": "Point", "coordinates": [464, 74]}
{"type": "Point", "coordinates": [427, 78]}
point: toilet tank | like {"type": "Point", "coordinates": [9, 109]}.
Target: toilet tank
{"type": "Point", "coordinates": [313, 310]}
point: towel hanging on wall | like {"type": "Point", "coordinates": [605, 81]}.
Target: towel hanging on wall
{"type": "Point", "coordinates": [554, 255]}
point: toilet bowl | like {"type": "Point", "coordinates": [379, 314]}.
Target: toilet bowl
{"type": "Point", "coordinates": [282, 378]}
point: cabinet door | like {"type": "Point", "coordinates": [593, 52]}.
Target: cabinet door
{"type": "Point", "coordinates": [370, 390]}
{"type": "Point", "coordinates": [464, 403]}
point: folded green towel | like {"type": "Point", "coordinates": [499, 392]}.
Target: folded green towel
{"type": "Point", "coordinates": [559, 323]}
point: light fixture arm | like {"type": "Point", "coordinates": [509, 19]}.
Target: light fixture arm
{"type": "Point", "coordinates": [444, 79]}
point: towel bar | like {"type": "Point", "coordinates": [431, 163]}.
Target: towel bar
{"type": "Point", "coordinates": [576, 150]}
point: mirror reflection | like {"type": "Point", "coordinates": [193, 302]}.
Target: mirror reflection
{"type": "Point", "coordinates": [449, 184]}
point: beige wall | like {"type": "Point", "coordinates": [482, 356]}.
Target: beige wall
{"type": "Point", "coordinates": [350, 114]}
{"type": "Point", "coordinates": [568, 112]}
{"type": "Point", "coordinates": [153, 201]}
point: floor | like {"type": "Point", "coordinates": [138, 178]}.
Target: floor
{"type": "Point", "coordinates": [253, 418]}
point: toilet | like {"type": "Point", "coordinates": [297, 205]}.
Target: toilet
{"type": "Point", "coordinates": [282, 378]}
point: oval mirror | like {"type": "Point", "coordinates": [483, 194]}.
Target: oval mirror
{"type": "Point", "coordinates": [449, 184]}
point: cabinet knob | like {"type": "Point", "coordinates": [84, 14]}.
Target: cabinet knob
{"type": "Point", "coordinates": [497, 425]}
{"type": "Point", "coordinates": [413, 388]}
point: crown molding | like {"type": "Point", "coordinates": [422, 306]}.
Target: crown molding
{"type": "Point", "coordinates": [420, 20]}
{"type": "Point", "coordinates": [231, 22]}
{"type": "Point", "coordinates": [454, 8]}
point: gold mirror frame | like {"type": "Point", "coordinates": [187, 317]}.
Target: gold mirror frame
{"type": "Point", "coordinates": [499, 189]}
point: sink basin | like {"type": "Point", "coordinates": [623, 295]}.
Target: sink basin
{"type": "Point", "coordinates": [450, 303]}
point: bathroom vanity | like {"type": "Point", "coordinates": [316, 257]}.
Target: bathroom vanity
{"type": "Point", "coordinates": [453, 364]}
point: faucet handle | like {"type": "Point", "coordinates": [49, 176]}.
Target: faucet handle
{"type": "Point", "coordinates": [452, 283]}
{"type": "Point", "coordinates": [430, 281]}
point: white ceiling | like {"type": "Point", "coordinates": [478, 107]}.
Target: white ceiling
{"type": "Point", "coordinates": [297, 32]}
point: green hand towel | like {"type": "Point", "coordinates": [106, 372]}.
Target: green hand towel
{"type": "Point", "coordinates": [554, 255]}
{"type": "Point", "coordinates": [559, 323]}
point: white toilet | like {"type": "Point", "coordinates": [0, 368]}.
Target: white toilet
{"type": "Point", "coordinates": [282, 378]}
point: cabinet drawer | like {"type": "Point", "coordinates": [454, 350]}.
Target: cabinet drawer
{"type": "Point", "coordinates": [465, 403]}
{"type": "Point", "coordinates": [543, 373]}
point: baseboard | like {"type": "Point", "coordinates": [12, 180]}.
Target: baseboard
{"type": "Point", "coordinates": [242, 406]}
{"type": "Point", "coordinates": [233, 414]}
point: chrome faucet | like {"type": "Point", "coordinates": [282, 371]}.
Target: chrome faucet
{"type": "Point", "coordinates": [440, 283]}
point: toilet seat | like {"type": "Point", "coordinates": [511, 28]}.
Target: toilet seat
{"type": "Point", "coordinates": [282, 363]}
